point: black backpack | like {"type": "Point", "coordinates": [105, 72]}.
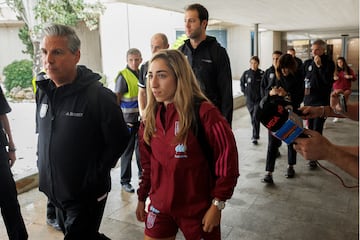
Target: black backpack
{"type": "Point", "coordinates": [199, 133]}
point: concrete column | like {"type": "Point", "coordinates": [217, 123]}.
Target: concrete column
{"type": "Point", "coordinates": [344, 38]}
{"type": "Point", "coordinates": [256, 39]}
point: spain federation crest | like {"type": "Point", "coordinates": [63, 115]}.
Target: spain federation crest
{"type": "Point", "coordinates": [150, 220]}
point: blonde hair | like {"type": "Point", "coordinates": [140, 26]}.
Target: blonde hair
{"type": "Point", "coordinates": [186, 93]}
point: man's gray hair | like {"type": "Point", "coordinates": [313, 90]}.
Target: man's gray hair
{"type": "Point", "coordinates": [133, 51]}
{"type": "Point", "coordinates": [320, 43]}
{"type": "Point", "coordinates": [58, 30]}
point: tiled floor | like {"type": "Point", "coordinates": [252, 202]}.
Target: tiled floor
{"type": "Point", "coordinates": [312, 206]}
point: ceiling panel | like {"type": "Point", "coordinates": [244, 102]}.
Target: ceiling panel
{"type": "Point", "coordinates": [277, 15]}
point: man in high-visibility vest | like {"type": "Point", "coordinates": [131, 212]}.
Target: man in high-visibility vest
{"type": "Point", "coordinates": [126, 89]}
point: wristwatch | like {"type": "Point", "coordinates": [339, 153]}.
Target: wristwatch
{"type": "Point", "coordinates": [219, 204]}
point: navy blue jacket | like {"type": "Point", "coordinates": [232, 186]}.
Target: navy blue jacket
{"type": "Point", "coordinates": [321, 81]}
{"type": "Point", "coordinates": [250, 84]}
{"type": "Point", "coordinates": [267, 81]}
{"type": "Point", "coordinates": [82, 134]}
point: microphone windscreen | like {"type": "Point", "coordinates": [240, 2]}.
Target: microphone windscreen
{"type": "Point", "coordinates": [283, 123]}
{"type": "Point", "coordinates": [272, 114]}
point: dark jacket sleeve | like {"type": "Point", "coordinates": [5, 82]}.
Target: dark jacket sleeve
{"type": "Point", "coordinates": [145, 158]}
{"type": "Point", "coordinates": [324, 76]}
{"type": "Point", "coordinates": [113, 129]}
{"type": "Point", "coordinates": [142, 75]}
{"type": "Point", "coordinates": [242, 83]}
{"type": "Point", "coordinates": [265, 84]}
{"type": "Point", "coordinates": [222, 142]}
{"type": "Point", "coordinates": [224, 83]}
{"type": "Point", "coordinates": [295, 88]}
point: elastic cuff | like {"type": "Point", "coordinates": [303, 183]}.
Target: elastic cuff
{"type": "Point", "coordinates": [11, 149]}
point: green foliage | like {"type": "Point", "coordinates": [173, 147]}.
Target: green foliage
{"type": "Point", "coordinates": [67, 12]}
{"type": "Point", "coordinates": [24, 37]}
{"type": "Point", "coordinates": [179, 41]}
{"type": "Point", "coordinates": [18, 73]}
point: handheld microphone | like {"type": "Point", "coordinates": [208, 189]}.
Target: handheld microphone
{"type": "Point", "coordinates": [278, 116]}
{"type": "Point", "coordinates": [342, 102]}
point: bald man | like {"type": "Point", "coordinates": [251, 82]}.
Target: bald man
{"type": "Point", "coordinates": [158, 41]}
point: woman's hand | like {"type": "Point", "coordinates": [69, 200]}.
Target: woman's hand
{"type": "Point", "coordinates": [278, 91]}
{"type": "Point", "coordinates": [12, 158]}
{"type": "Point", "coordinates": [140, 211]}
{"type": "Point", "coordinates": [281, 92]}
{"type": "Point", "coordinates": [211, 219]}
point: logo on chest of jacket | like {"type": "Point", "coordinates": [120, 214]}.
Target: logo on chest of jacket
{"type": "Point", "coordinates": [180, 151]}
{"type": "Point", "coordinates": [206, 60]}
{"type": "Point", "coordinates": [310, 68]}
{"type": "Point", "coordinates": [74, 114]}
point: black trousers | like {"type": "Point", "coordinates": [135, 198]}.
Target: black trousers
{"type": "Point", "coordinates": [82, 221]}
{"type": "Point", "coordinates": [253, 108]}
{"type": "Point", "coordinates": [273, 147]}
{"type": "Point", "coordinates": [50, 210]}
{"type": "Point", "coordinates": [316, 124]}
{"type": "Point", "coordinates": [10, 208]}
{"type": "Point", "coordinates": [126, 157]}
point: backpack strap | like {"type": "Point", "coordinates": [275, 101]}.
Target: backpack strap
{"type": "Point", "coordinates": [199, 133]}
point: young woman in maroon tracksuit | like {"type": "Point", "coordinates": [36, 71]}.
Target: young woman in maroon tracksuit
{"type": "Point", "coordinates": [186, 191]}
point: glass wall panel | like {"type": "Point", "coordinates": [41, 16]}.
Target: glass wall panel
{"type": "Point", "coordinates": [353, 59]}
{"type": "Point", "coordinates": [334, 48]}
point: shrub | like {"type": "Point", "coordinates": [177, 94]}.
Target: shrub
{"type": "Point", "coordinates": [18, 73]}
{"type": "Point", "coordinates": [179, 41]}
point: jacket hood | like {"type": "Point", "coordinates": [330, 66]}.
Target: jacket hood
{"type": "Point", "coordinates": [208, 41]}
{"type": "Point", "coordinates": [84, 78]}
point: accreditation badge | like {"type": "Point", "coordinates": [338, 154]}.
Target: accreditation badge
{"type": "Point", "coordinates": [43, 110]}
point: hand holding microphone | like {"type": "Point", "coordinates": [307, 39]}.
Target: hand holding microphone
{"type": "Point", "coordinates": [277, 115]}
{"type": "Point", "coordinates": [309, 148]}
{"type": "Point", "coordinates": [338, 100]}
{"type": "Point", "coordinates": [279, 91]}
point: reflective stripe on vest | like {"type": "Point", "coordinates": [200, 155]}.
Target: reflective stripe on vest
{"type": "Point", "coordinates": [129, 101]}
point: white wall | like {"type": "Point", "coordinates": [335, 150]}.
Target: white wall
{"type": "Point", "coordinates": [269, 41]}
{"type": "Point", "coordinates": [125, 26]}
{"type": "Point", "coordinates": [10, 46]}
{"type": "Point", "coordinates": [90, 47]}
{"type": "Point", "coordinates": [239, 50]}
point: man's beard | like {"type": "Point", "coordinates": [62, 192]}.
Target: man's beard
{"type": "Point", "coordinates": [195, 34]}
